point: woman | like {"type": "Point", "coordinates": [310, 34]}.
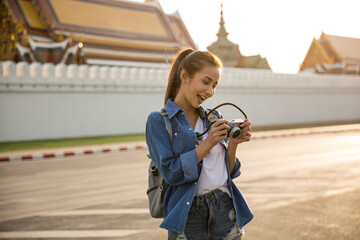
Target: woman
{"type": "Point", "coordinates": [201, 201]}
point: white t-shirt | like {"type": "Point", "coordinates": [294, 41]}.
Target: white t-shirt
{"type": "Point", "coordinates": [213, 173]}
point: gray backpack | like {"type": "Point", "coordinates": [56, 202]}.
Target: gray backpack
{"type": "Point", "coordinates": [156, 183]}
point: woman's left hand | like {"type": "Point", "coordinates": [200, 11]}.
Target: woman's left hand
{"type": "Point", "coordinates": [245, 135]}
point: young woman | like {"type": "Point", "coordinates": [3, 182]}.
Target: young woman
{"type": "Point", "coordinates": [201, 201]}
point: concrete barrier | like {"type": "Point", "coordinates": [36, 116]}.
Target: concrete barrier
{"type": "Point", "coordinates": [43, 101]}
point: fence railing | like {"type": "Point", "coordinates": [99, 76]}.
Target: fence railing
{"type": "Point", "coordinates": [49, 77]}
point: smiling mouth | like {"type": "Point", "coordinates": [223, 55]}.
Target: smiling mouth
{"type": "Point", "coordinates": [201, 98]}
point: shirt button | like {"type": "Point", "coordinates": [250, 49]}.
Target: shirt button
{"type": "Point", "coordinates": [188, 203]}
{"type": "Point", "coordinates": [190, 129]}
{"type": "Point", "coordinates": [175, 134]}
{"type": "Point", "coordinates": [195, 183]}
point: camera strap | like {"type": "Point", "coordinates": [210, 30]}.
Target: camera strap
{"type": "Point", "coordinates": [223, 104]}
{"type": "Point", "coordinates": [213, 118]}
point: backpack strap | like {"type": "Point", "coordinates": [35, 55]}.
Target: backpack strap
{"type": "Point", "coordinates": [167, 123]}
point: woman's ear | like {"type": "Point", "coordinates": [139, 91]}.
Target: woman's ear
{"type": "Point", "coordinates": [184, 77]}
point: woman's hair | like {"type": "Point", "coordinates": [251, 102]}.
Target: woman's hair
{"type": "Point", "coordinates": [192, 61]}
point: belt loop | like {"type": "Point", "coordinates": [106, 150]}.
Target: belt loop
{"type": "Point", "coordinates": [197, 202]}
{"type": "Point", "coordinates": [216, 196]}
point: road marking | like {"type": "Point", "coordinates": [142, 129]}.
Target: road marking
{"type": "Point", "coordinates": [339, 191]}
{"type": "Point", "coordinates": [70, 233]}
{"type": "Point", "coordinates": [86, 212]}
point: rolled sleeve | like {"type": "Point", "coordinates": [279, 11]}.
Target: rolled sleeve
{"type": "Point", "coordinates": [236, 172]}
{"type": "Point", "coordinates": [189, 165]}
{"type": "Point", "coordinates": [176, 169]}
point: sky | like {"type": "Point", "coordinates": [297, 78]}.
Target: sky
{"type": "Point", "coordinates": [279, 30]}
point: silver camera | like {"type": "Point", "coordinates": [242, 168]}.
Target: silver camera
{"type": "Point", "coordinates": [235, 129]}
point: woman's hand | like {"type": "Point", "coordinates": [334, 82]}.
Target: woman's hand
{"type": "Point", "coordinates": [218, 131]}
{"type": "Point", "coordinates": [245, 135]}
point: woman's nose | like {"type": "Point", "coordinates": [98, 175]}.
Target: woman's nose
{"type": "Point", "coordinates": [210, 91]}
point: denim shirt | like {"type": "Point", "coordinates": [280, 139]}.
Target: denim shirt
{"type": "Point", "coordinates": [177, 162]}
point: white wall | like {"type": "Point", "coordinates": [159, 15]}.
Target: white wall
{"type": "Point", "coordinates": [43, 101]}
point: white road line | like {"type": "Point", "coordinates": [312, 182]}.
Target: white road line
{"type": "Point", "coordinates": [70, 233]}
{"type": "Point", "coordinates": [86, 212]}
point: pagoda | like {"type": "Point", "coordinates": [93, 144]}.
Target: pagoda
{"type": "Point", "coordinates": [229, 52]}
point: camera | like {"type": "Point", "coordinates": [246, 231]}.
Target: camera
{"type": "Point", "coordinates": [235, 129]}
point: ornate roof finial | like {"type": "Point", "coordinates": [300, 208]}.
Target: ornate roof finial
{"type": "Point", "coordinates": [228, 52]}
{"type": "Point", "coordinates": [222, 31]}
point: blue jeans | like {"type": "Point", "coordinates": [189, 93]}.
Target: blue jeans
{"type": "Point", "coordinates": [212, 216]}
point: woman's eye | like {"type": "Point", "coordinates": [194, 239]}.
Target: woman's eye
{"type": "Point", "coordinates": [205, 82]}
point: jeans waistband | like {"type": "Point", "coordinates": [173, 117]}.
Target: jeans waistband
{"type": "Point", "coordinates": [202, 198]}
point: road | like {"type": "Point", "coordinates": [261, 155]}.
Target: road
{"type": "Point", "coordinates": [301, 187]}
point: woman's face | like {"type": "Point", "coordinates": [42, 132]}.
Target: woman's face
{"type": "Point", "coordinates": [201, 86]}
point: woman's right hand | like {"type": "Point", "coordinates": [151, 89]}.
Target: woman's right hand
{"type": "Point", "coordinates": [218, 131]}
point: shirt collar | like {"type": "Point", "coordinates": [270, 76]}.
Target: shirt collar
{"type": "Point", "coordinates": [171, 108]}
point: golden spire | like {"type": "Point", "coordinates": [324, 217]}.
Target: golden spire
{"type": "Point", "coordinates": [222, 31]}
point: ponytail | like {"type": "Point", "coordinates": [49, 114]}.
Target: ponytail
{"type": "Point", "coordinates": [174, 81]}
{"type": "Point", "coordinates": [191, 61]}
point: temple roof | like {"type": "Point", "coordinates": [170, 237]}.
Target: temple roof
{"type": "Point", "coordinates": [347, 48]}
{"type": "Point", "coordinates": [332, 54]}
{"type": "Point", "coordinates": [255, 61]}
{"type": "Point", "coordinates": [180, 29]}
{"type": "Point", "coordinates": [108, 29]}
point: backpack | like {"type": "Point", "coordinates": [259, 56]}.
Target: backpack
{"type": "Point", "coordinates": [156, 183]}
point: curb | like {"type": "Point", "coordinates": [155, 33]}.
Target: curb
{"type": "Point", "coordinates": [71, 153]}
{"type": "Point", "coordinates": [280, 135]}
{"type": "Point", "coordinates": [261, 135]}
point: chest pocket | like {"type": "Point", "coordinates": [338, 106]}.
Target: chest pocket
{"type": "Point", "coordinates": [178, 143]}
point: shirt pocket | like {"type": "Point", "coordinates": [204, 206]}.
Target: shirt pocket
{"type": "Point", "coordinates": [178, 143]}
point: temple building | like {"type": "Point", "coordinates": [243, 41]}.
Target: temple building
{"type": "Point", "coordinates": [230, 54]}
{"type": "Point", "coordinates": [333, 55]}
{"type": "Point", "coordinates": [102, 32]}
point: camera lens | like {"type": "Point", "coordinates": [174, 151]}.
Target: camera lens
{"type": "Point", "coordinates": [234, 132]}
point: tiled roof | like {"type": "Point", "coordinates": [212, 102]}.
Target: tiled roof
{"type": "Point", "coordinates": [180, 29]}
{"type": "Point", "coordinates": [108, 29]}
{"type": "Point", "coordinates": [331, 51]}
{"type": "Point", "coordinates": [347, 48]}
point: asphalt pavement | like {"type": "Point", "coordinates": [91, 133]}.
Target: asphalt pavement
{"type": "Point", "coordinates": [27, 155]}
{"type": "Point", "coordinates": [300, 185]}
